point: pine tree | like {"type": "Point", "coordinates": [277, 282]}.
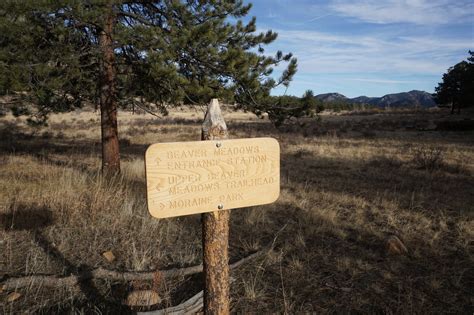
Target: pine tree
{"type": "Point", "coordinates": [282, 108]}
{"type": "Point", "coordinates": [65, 53]}
{"type": "Point", "coordinates": [457, 88]}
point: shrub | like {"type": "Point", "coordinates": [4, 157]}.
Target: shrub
{"type": "Point", "coordinates": [428, 158]}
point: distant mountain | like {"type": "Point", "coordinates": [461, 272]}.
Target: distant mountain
{"type": "Point", "coordinates": [331, 97]}
{"type": "Point", "coordinates": [405, 99]}
{"type": "Point", "coordinates": [364, 99]}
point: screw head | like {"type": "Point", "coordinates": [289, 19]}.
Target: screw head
{"type": "Point", "coordinates": [220, 206]}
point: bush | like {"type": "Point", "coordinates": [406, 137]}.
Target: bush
{"type": "Point", "coordinates": [428, 158]}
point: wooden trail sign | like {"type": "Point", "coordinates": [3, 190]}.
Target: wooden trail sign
{"type": "Point", "coordinates": [194, 177]}
{"type": "Point", "coordinates": [211, 177]}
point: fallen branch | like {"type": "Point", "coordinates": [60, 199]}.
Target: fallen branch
{"type": "Point", "coordinates": [191, 306]}
{"type": "Point", "coordinates": [196, 302]}
{"type": "Point", "coordinates": [49, 280]}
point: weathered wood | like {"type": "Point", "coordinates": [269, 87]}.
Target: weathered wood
{"type": "Point", "coordinates": [99, 273]}
{"type": "Point", "coordinates": [215, 231]}
{"type": "Point", "coordinates": [191, 306]}
{"type": "Point", "coordinates": [50, 280]}
{"type": "Point", "coordinates": [214, 126]}
{"type": "Point", "coordinates": [201, 176]}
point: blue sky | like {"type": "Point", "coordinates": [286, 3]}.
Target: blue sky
{"type": "Point", "coordinates": [368, 47]}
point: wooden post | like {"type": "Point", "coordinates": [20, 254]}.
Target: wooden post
{"type": "Point", "coordinates": [215, 231]}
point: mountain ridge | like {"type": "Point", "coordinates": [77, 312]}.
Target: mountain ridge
{"type": "Point", "coordinates": [413, 98]}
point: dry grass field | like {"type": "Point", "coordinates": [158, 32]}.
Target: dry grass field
{"type": "Point", "coordinates": [349, 182]}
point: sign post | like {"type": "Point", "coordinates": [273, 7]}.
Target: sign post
{"type": "Point", "coordinates": [215, 230]}
{"type": "Point", "coordinates": [211, 177]}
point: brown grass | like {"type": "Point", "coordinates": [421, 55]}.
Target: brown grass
{"type": "Point", "coordinates": [348, 182]}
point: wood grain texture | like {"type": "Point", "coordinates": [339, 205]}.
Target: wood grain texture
{"type": "Point", "coordinates": [202, 176]}
{"type": "Point", "coordinates": [215, 230]}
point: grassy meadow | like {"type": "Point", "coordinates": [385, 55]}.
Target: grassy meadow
{"type": "Point", "coordinates": [348, 182]}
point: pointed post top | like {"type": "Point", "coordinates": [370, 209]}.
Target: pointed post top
{"type": "Point", "coordinates": [214, 103]}
{"type": "Point", "coordinates": [214, 126]}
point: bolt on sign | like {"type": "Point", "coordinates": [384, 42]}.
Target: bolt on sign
{"type": "Point", "coordinates": [203, 176]}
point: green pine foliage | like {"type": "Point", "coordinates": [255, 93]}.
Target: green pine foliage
{"type": "Point", "coordinates": [285, 108]}
{"type": "Point", "coordinates": [457, 88]}
{"type": "Point", "coordinates": [166, 52]}
{"type": "Point", "coordinates": [281, 109]}
{"type": "Point", "coordinates": [344, 105]}
{"type": "Point", "coordinates": [46, 63]}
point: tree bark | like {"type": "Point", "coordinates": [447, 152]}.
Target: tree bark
{"type": "Point", "coordinates": [108, 103]}
{"type": "Point", "coordinates": [215, 231]}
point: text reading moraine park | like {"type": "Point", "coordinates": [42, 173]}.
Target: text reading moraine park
{"type": "Point", "coordinates": [202, 176]}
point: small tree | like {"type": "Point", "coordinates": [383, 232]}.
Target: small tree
{"type": "Point", "coordinates": [457, 88]}
{"type": "Point", "coordinates": [284, 107]}
{"type": "Point", "coordinates": [142, 53]}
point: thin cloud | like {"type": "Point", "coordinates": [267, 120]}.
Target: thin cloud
{"type": "Point", "coordinates": [382, 53]}
{"type": "Point", "coordinates": [379, 46]}
{"type": "Point", "coordinates": [319, 17]}
{"type": "Point", "coordinates": [383, 81]}
{"type": "Point", "coordinates": [420, 12]}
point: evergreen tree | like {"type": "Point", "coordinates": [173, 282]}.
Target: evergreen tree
{"type": "Point", "coordinates": [282, 108]}
{"type": "Point", "coordinates": [457, 88]}
{"type": "Point", "coordinates": [61, 54]}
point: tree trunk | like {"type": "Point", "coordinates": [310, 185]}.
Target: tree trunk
{"type": "Point", "coordinates": [108, 104]}
{"type": "Point", "coordinates": [215, 231]}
